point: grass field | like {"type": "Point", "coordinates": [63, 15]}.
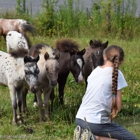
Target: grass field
{"type": "Point", "coordinates": [62, 119]}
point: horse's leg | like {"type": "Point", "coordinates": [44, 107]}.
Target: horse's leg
{"type": "Point", "coordinates": [52, 96]}
{"type": "Point", "coordinates": [47, 93]}
{"type": "Point", "coordinates": [0, 33]}
{"type": "Point", "coordinates": [14, 103]}
{"type": "Point", "coordinates": [24, 94]}
{"type": "Point", "coordinates": [35, 100]}
{"type": "Point", "coordinates": [61, 85]}
{"type": "Point", "coordinates": [86, 81]}
{"type": "Point", "coordinates": [19, 102]}
{"type": "Point", "coordinates": [40, 104]}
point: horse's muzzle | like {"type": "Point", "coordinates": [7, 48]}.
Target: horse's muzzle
{"type": "Point", "coordinates": [34, 89]}
{"type": "Point", "coordinates": [80, 81]}
{"type": "Point", "coordinates": [53, 83]}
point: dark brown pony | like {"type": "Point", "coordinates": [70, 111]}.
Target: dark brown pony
{"type": "Point", "coordinates": [19, 25]}
{"type": "Point", "coordinates": [71, 60]}
{"type": "Point", "coordinates": [93, 56]}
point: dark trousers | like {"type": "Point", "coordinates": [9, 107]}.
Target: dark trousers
{"type": "Point", "coordinates": [111, 130]}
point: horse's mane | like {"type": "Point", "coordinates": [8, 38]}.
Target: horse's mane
{"type": "Point", "coordinates": [19, 53]}
{"type": "Point", "coordinates": [41, 49]}
{"type": "Point", "coordinates": [66, 45]}
{"type": "Point", "coordinates": [96, 43]}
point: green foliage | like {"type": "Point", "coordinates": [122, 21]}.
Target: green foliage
{"type": "Point", "coordinates": [62, 118]}
{"type": "Point", "coordinates": [106, 20]}
{"type": "Point", "coordinates": [45, 20]}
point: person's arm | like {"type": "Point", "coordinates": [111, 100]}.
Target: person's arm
{"type": "Point", "coordinates": [119, 100]}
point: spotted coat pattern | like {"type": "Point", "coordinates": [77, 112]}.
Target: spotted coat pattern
{"type": "Point", "coordinates": [14, 71]}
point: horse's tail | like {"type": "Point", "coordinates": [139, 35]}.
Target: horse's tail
{"type": "Point", "coordinates": [28, 41]}
{"type": "Point", "coordinates": [67, 45]}
{"type": "Point", "coordinates": [27, 27]}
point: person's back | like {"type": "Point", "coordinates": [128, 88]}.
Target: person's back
{"type": "Point", "coordinates": [102, 100]}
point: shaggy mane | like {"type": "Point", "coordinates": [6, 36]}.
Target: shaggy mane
{"type": "Point", "coordinates": [41, 49]}
{"type": "Point", "coordinates": [96, 43]}
{"type": "Point", "coordinates": [66, 45]}
{"type": "Point", "coordinates": [20, 52]}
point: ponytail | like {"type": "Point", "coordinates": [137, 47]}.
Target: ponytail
{"type": "Point", "coordinates": [114, 110]}
{"type": "Point", "coordinates": [115, 54]}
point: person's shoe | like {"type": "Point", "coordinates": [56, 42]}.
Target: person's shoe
{"type": "Point", "coordinates": [85, 135]}
{"type": "Point", "coordinates": [77, 133]}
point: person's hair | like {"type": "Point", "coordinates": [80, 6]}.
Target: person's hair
{"type": "Point", "coordinates": [115, 54]}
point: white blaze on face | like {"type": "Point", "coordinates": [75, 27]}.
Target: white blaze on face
{"type": "Point", "coordinates": [80, 63]}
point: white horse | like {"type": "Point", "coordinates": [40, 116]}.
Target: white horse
{"type": "Point", "coordinates": [48, 75]}
{"type": "Point", "coordinates": [15, 40]}
{"type": "Point", "coordinates": [16, 68]}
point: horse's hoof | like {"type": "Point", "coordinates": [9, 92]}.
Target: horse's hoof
{"type": "Point", "coordinates": [14, 123]}
{"type": "Point", "coordinates": [35, 104]}
{"type": "Point", "coordinates": [21, 121]}
{"type": "Point", "coordinates": [47, 118]}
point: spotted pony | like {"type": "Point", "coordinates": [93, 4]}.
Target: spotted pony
{"type": "Point", "coordinates": [17, 69]}
{"type": "Point", "coordinates": [15, 40]}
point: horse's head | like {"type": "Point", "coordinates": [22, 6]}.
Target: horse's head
{"type": "Point", "coordinates": [15, 40]}
{"type": "Point", "coordinates": [52, 67]}
{"type": "Point", "coordinates": [76, 65]}
{"type": "Point", "coordinates": [31, 72]}
{"type": "Point", "coordinates": [97, 52]}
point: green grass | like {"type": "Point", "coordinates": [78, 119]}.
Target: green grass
{"type": "Point", "coordinates": [62, 119]}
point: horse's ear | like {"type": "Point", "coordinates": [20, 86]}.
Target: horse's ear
{"type": "Point", "coordinates": [27, 59]}
{"type": "Point", "coordinates": [105, 44]}
{"type": "Point", "coordinates": [91, 42]}
{"type": "Point", "coordinates": [46, 56]}
{"type": "Point", "coordinates": [82, 52]}
{"type": "Point", "coordinates": [37, 58]}
{"type": "Point", "coordinates": [72, 52]}
{"type": "Point", "coordinates": [57, 56]}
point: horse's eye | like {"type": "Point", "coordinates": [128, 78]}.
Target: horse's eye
{"type": "Point", "coordinates": [26, 72]}
{"type": "Point", "coordinates": [58, 68]}
{"type": "Point", "coordinates": [37, 71]}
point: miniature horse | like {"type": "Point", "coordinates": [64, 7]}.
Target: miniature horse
{"type": "Point", "coordinates": [93, 57]}
{"type": "Point", "coordinates": [16, 68]}
{"type": "Point", "coordinates": [19, 25]}
{"type": "Point", "coordinates": [47, 78]}
{"type": "Point", "coordinates": [71, 60]}
{"type": "Point", "coordinates": [15, 40]}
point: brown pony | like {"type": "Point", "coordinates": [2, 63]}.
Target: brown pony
{"type": "Point", "coordinates": [18, 25]}
{"type": "Point", "coordinates": [93, 56]}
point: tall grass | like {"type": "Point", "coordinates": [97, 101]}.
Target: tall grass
{"type": "Point", "coordinates": [110, 20]}
{"type": "Point", "coordinates": [62, 118]}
